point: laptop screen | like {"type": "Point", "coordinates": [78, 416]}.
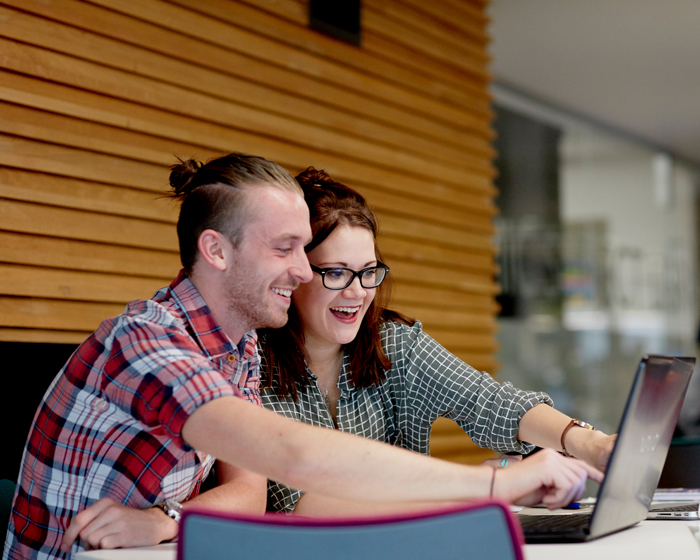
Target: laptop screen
{"type": "Point", "coordinates": [643, 440]}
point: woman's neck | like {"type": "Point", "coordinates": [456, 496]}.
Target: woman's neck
{"type": "Point", "coordinates": [326, 361]}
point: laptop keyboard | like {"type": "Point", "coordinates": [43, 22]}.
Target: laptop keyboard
{"type": "Point", "coordinates": [680, 508]}
{"type": "Point", "coordinates": [555, 524]}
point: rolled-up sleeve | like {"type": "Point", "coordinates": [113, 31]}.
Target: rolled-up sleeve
{"type": "Point", "coordinates": [437, 383]}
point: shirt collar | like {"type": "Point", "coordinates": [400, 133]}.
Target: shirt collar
{"type": "Point", "coordinates": [202, 325]}
{"type": "Point", "coordinates": [344, 376]}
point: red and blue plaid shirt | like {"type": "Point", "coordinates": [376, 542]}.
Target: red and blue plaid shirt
{"type": "Point", "coordinates": [110, 424]}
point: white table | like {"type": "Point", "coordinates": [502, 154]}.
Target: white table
{"type": "Point", "coordinates": [649, 540]}
{"type": "Point", "coordinates": [160, 552]}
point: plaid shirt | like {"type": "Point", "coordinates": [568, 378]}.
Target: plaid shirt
{"type": "Point", "coordinates": [111, 422]}
{"type": "Point", "coordinates": [425, 382]}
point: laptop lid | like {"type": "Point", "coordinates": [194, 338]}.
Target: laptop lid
{"type": "Point", "coordinates": [644, 437]}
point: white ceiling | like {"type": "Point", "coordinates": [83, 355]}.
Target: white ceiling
{"type": "Point", "coordinates": [633, 65]}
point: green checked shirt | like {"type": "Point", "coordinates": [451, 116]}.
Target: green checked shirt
{"type": "Point", "coordinates": [425, 382]}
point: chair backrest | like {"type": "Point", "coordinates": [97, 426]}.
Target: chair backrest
{"type": "Point", "coordinates": [478, 531]}
{"type": "Point", "coordinates": [7, 493]}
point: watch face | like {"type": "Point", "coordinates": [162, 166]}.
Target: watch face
{"type": "Point", "coordinates": [174, 506]}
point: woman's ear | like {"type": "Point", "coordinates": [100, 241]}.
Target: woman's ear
{"type": "Point", "coordinates": [213, 249]}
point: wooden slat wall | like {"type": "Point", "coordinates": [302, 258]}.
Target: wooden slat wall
{"type": "Point", "coordinates": [96, 96]}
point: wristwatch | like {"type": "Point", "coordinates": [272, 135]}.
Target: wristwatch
{"type": "Point", "coordinates": [171, 508]}
{"type": "Point", "coordinates": [574, 422]}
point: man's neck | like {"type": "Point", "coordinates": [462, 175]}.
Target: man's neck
{"type": "Point", "coordinates": [216, 302]}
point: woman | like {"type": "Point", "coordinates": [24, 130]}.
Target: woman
{"type": "Point", "coordinates": [345, 361]}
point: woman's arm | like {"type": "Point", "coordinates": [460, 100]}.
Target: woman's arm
{"type": "Point", "coordinates": [437, 383]}
{"type": "Point", "coordinates": [543, 426]}
{"type": "Point", "coordinates": [238, 490]}
{"type": "Point", "coordinates": [495, 415]}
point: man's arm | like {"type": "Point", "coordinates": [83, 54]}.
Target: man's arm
{"type": "Point", "coordinates": [107, 524]}
{"type": "Point", "coordinates": [315, 505]}
{"type": "Point", "coordinates": [344, 466]}
{"type": "Point", "coordinates": [543, 426]}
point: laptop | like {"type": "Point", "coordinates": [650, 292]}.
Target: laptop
{"type": "Point", "coordinates": [675, 511]}
{"type": "Point", "coordinates": [635, 465]}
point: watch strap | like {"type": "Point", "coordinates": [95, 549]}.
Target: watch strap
{"type": "Point", "coordinates": [171, 509]}
{"type": "Point", "coordinates": [571, 424]}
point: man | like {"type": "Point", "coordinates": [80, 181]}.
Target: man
{"type": "Point", "coordinates": [134, 418]}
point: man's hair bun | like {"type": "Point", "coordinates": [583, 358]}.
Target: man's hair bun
{"type": "Point", "coordinates": [181, 175]}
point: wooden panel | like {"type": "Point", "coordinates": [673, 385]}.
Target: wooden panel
{"type": "Point", "coordinates": [443, 278]}
{"type": "Point", "coordinates": [292, 31]}
{"type": "Point", "coordinates": [252, 44]}
{"type": "Point", "coordinates": [440, 298]}
{"type": "Point", "coordinates": [35, 313]}
{"type": "Point", "coordinates": [473, 213]}
{"type": "Point", "coordinates": [436, 233]}
{"type": "Point", "coordinates": [429, 254]}
{"type": "Point", "coordinates": [77, 224]}
{"type": "Point", "coordinates": [38, 282]}
{"type": "Point", "coordinates": [457, 320]}
{"type": "Point", "coordinates": [404, 25]}
{"type": "Point", "coordinates": [224, 61]}
{"type": "Point", "coordinates": [214, 137]}
{"type": "Point", "coordinates": [41, 335]}
{"type": "Point", "coordinates": [82, 164]}
{"type": "Point", "coordinates": [88, 256]}
{"type": "Point", "coordinates": [97, 96]}
{"type": "Point", "coordinates": [52, 190]}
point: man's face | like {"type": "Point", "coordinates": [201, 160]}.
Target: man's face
{"type": "Point", "coordinates": [270, 261]}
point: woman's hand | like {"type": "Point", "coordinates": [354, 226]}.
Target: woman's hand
{"type": "Point", "coordinates": [546, 477]}
{"type": "Point", "coordinates": [592, 446]}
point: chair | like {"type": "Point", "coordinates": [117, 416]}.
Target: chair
{"type": "Point", "coordinates": [7, 492]}
{"type": "Point", "coordinates": [478, 531]}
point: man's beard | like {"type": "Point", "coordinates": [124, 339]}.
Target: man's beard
{"type": "Point", "coordinates": [247, 301]}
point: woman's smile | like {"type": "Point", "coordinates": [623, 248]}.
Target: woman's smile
{"type": "Point", "coordinates": [333, 317]}
{"type": "Point", "coordinates": [346, 314]}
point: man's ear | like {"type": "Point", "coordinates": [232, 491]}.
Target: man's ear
{"type": "Point", "coordinates": [214, 248]}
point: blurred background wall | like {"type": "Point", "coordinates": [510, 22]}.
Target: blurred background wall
{"type": "Point", "coordinates": [598, 143]}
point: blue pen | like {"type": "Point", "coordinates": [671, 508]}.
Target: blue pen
{"type": "Point", "coordinates": [573, 505]}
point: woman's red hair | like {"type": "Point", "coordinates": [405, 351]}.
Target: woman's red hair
{"type": "Point", "coordinates": [331, 204]}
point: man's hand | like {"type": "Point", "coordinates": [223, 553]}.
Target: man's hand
{"type": "Point", "coordinates": [546, 477]}
{"type": "Point", "coordinates": [503, 461]}
{"type": "Point", "coordinates": [107, 524]}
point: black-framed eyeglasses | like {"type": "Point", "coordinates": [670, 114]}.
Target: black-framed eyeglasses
{"type": "Point", "coordinates": [341, 278]}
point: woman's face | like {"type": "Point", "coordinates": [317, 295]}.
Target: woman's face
{"type": "Point", "coordinates": [334, 316]}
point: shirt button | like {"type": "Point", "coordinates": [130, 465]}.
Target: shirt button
{"type": "Point", "coordinates": [99, 405]}
{"type": "Point", "coordinates": [231, 358]}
